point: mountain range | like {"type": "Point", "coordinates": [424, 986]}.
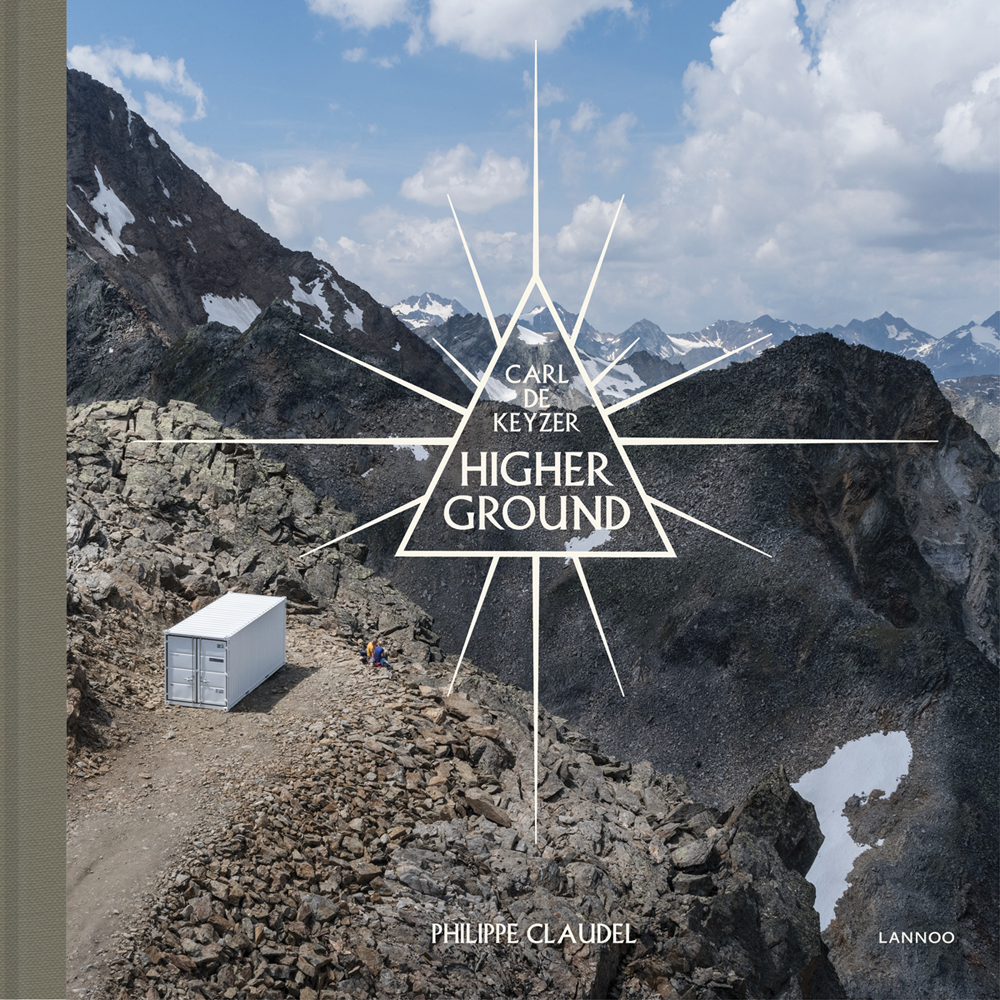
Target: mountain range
{"type": "Point", "coordinates": [970, 350]}
{"type": "Point", "coordinates": [867, 604]}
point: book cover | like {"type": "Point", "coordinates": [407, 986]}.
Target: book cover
{"type": "Point", "coordinates": [688, 639]}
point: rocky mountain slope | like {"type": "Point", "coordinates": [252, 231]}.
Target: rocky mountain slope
{"type": "Point", "coordinates": [977, 399]}
{"type": "Point", "coordinates": [877, 611]}
{"type": "Point", "coordinates": [155, 252]}
{"type": "Point", "coordinates": [405, 807]}
{"type": "Point", "coordinates": [156, 530]}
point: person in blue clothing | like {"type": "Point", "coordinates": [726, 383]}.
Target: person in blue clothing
{"type": "Point", "coordinates": [379, 659]}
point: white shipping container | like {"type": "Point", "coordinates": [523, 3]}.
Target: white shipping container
{"type": "Point", "coordinates": [218, 655]}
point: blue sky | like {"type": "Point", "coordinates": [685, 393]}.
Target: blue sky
{"type": "Point", "coordinates": [817, 161]}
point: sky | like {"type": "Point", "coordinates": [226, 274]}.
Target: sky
{"type": "Point", "coordinates": [816, 161]}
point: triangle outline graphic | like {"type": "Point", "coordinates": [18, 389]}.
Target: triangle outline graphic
{"type": "Point", "coordinates": [403, 549]}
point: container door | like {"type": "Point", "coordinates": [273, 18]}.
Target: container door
{"type": "Point", "coordinates": [212, 673]}
{"type": "Point", "coordinates": [181, 682]}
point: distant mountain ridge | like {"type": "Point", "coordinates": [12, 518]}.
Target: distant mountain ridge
{"type": "Point", "coordinates": [972, 349]}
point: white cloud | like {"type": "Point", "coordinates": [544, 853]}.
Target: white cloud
{"type": "Point", "coordinates": [295, 194]}
{"type": "Point", "coordinates": [968, 139]}
{"type": "Point", "coordinates": [549, 94]}
{"type": "Point", "coordinates": [584, 237]}
{"type": "Point", "coordinates": [284, 201]}
{"type": "Point", "coordinates": [360, 54]}
{"type": "Point", "coordinates": [496, 28]}
{"type": "Point", "coordinates": [109, 65]}
{"type": "Point", "coordinates": [366, 14]}
{"type": "Point", "coordinates": [495, 181]}
{"type": "Point", "coordinates": [839, 174]}
{"type": "Point", "coordinates": [612, 143]}
{"type": "Point", "coordinates": [488, 28]}
{"type": "Point", "coordinates": [585, 116]}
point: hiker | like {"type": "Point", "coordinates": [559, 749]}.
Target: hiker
{"type": "Point", "coordinates": [378, 657]}
{"type": "Point", "coordinates": [370, 649]}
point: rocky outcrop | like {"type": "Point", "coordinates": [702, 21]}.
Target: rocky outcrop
{"type": "Point", "coordinates": [155, 531]}
{"type": "Point", "coordinates": [400, 817]}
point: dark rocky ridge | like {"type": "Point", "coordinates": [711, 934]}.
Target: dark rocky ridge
{"type": "Point", "coordinates": [879, 610]}
{"type": "Point", "coordinates": [161, 270]}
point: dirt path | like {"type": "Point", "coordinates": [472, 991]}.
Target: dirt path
{"type": "Point", "coordinates": [181, 774]}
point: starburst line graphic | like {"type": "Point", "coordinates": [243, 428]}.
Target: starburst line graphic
{"type": "Point", "coordinates": [569, 339]}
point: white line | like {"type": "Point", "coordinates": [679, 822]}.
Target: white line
{"type": "Point", "coordinates": [616, 361]}
{"type": "Point", "coordinates": [597, 271]}
{"type": "Point", "coordinates": [708, 527]}
{"type": "Point", "coordinates": [535, 617]}
{"type": "Point", "coordinates": [535, 271]}
{"type": "Point", "coordinates": [560, 554]}
{"type": "Point", "coordinates": [475, 274]}
{"type": "Point", "coordinates": [516, 314]}
{"type": "Point", "coordinates": [472, 624]}
{"type": "Point", "coordinates": [477, 395]}
{"type": "Point", "coordinates": [400, 442]}
{"type": "Point", "coordinates": [600, 627]}
{"type": "Point", "coordinates": [472, 378]}
{"type": "Point", "coordinates": [367, 524]}
{"type": "Point", "coordinates": [622, 453]}
{"type": "Point", "coordinates": [393, 378]}
{"type": "Point", "coordinates": [718, 441]}
{"type": "Point", "coordinates": [677, 378]}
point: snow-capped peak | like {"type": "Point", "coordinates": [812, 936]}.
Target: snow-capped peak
{"type": "Point", "coordinates": [428, 309]}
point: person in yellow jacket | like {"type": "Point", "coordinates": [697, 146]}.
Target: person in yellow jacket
{"type": "Point", "coordinates": [370, 649]}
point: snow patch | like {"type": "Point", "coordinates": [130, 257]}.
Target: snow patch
{"type": "Point", "coordinates": [174, 222]}
{"type": "Point", "coordinates": [620, 383]}
{"type": "Point", "coordinates": [857, 768]}
{"type": "Point", "coordinates": [312, 297]}
{"type": "Point", "coordinates": [163, 188]}
{"type": "Point", "coordinates": [985, 336]}
{"type": "Point", "coordinates": [527, 336]}
{"type": "Point", "coordinates": [682, 345]}
{"type": "Point", "coordinates": [354, 317]}
{"type": "Point", "coordinates": [432, 307]}
{"type": "Point", "coordinates": [192, 246]}
{"type": "Point", "coordinates": [397, 347]}
{"type": "Point", "coordinates": [495, 389]}
{"type": "Point", "coordinates": [152, 141]}
{"type": "Point", "coordinates": [420, 453]}
{"type": "Point", "coordinates": [239, 312]}
{"type": "Point", "coordinates": [591, 541]}
{"type": "Point", "coordinates": [352, 314]}
{"type": "Point", "coordinates": [108, 204]}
